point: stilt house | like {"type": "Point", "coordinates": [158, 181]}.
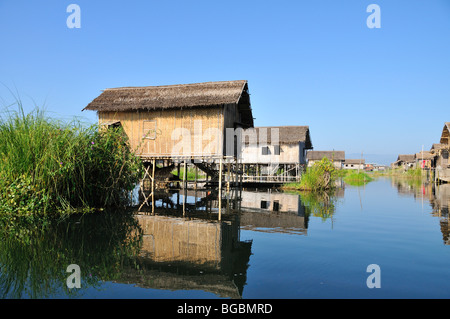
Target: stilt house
{"type": "Point", "coordinates": [275, 153]}
{"type": "Point", "coordinates": [442, 155]}
{"type": "Point", "coordinates": [186, 121]}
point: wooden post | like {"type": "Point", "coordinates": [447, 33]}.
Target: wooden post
{"type": "Point", "coordinates": [153, 186]}
{"type": "Point", "coordinates": [178, 173]}
{"type": "Point", "coordinates": [184, 174]}
{"type": "Point", "coordinates": [196, 177]}
{"type": "Point", "coordinates": [228, 176]}
{"type": "Point", "coordinates": [220, 189]}
{"type": "Point", "coordinates": [184, 187]}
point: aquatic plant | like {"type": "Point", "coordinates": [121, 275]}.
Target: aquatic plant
{"type": "Point", "coordinates": [47, 165]}
{"type": "Point", "coordinates": [356, 178]}
{"type": "Point", "coordinates": [320, 176]}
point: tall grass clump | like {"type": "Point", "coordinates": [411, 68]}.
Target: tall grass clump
{"type": "Point", "coordinates": [47, 165]}
{"type": "Point", "coordinates": [356, 178]}
{"type": "Point", "coordinates": [321, 176]}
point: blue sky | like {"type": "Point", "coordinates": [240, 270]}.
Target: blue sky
{"type": "Point", "coordinates": [379, 91]}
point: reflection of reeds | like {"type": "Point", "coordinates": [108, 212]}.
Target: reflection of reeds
{"type": "Point", "coordinates": [319, 204]}
{"type": "Point", "coordinates": [34, 260]}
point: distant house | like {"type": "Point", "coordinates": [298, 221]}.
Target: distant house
{"type": "Point", "coordinates": [436, 147]}
{"type": "Point", "coordinates": [277, 151]}
{"type": "Point", "coordinates": [378, 167]}
{"type": "Point", "coordinates": [405, 160]}
{"type": "Point", "coordinates": [442, 155]}
{"type": "Point", "coordinates": [337, 157]}
{"type": "Point", "coordinates": [425, 159]}
{"type": "Point", "coordinates": [354, 164]}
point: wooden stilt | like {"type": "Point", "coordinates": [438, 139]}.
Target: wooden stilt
{"type": "Point", "coordinates": [220, 189]}
{"type": "Point", "coordinates": [196, 177]}
{"type": "Point", "coordinates": [184, 187]}
{"type": "Point", "coordinates": [153, 186]}
{"type": "Point", "coordinates": [178, 173]}
{"type": "Point", "coordinates": [146, 198]}
{"type": "Point", "coordinates": [228, 176]}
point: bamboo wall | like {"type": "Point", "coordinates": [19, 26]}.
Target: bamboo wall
{"type": "Point", "coordinates": [163, 130]}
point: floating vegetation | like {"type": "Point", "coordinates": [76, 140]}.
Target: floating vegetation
{"type": "Point", "coordinates": [321, 176]}
{"type": "Point", "coordinates": [356, 178]}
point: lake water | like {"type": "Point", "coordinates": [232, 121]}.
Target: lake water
{"type": "Point", "coordinates": [268, 244]}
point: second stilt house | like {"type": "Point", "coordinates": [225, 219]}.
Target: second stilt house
{"type": "Point", "coordinates": [274, 154]}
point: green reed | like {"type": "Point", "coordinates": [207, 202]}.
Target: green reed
{"type": "Point", "coordinates": [49, 165]}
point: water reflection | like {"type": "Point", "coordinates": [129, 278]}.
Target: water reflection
{"type": "Point", "coordinates": [435, 195]}
{"type": "Point", "coordinates": [33, 260]}
{"type": "Point", "coordinates": [179, 253]}
{"type": "Point", "coordinates": [440, 204]}
{"type": "Point", "coordinates": [179, 245]}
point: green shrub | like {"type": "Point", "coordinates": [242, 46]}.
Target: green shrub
{"type": "Point", "coordinates": [47, 165]}
{"type": "Point", "coordinates": [357, 178]}
{"type": "Point", "coordinates": [320, 176]}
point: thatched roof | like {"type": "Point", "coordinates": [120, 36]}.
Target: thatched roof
{"type": "Point", "coordinates": [286, 134]}
{"type": "Point", "coordinates": [355, 161]}
{"type": "Point", "coordinates": [406, 158]}
{"type": "Point", "coordinates": [318, 155]}
{"type": "Point", "coordinates": [206, 94]}
{"type": "Point", "coordinates": [426, 155]}
{"type": "Point", "coordinates": [437, 146]}
{"type": "Point", "coordinates": [445, 133]}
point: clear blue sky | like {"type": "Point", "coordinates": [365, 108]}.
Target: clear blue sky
{"type": "Point", "coordinates": [379, 91]}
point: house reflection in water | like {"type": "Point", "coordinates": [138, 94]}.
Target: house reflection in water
{"type": "Point", "coordinates": [438, 196]}
{"type": "Point", "coordinates": [273, 211]}
{"type": "Point", "coordinates": [185, 247]}
{"type": "Point", "coordinates": [440, 204]}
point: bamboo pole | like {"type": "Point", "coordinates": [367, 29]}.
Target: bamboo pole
{"type": "Point", "coordinates": [153, 186]}
{"type": "Point", "coordinates": [220, 189]}
{"type": "Point", "coordinates": [184, 188]}
{"type": "Point", "coordinates": [196, 177]}
{"type": "Point", "coordinates": [228, 176]}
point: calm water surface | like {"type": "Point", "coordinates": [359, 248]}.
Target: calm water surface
{"type": "Point", "coordinates": [279, 245]}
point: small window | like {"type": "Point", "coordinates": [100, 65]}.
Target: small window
{"type": "Point", "coordinates": [264, 204]}
{"type": "Point", "coordinates": [150, 130]}
{"type": "Point", "coordinates": [277, 150]}
{"type": "Point", "coordinates": [265, 150]}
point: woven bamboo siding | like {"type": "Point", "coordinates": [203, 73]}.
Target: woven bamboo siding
{"type": "Point", "coordinates": [159, 126]}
